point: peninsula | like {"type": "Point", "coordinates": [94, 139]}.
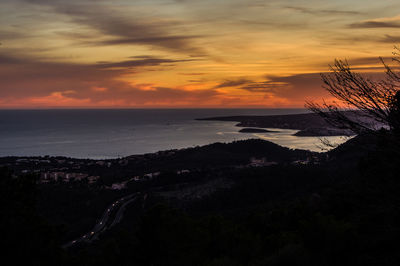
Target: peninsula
{"type": "Point", "coordinates": [308, 124]}
{"type": "Point", "coordinates": [254, 130]}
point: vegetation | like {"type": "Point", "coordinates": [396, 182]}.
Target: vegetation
{"type": "Point", "coordinates": [364, 104]}
{"type": "Point", "coordinates": [332, 213]}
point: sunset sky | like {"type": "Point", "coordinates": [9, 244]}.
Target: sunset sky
{"type": "Point", "coordinates": [185, 53]}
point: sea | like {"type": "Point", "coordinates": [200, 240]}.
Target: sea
{"type": "Point", "coordinates": [116, 133]}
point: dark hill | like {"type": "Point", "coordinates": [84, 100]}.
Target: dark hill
{"type": "Point", "coordinates": [221, 154]}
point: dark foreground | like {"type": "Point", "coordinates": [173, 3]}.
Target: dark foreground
{"type": "Point", "coordinates": [245, 203]}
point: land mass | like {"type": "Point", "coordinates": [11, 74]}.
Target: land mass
{"type": "Point", "coordinates": [251, 201]}
{"type": "Point", "coordinates": [254, 130]}
{"type": "Point", "coordinates": [308, 124]}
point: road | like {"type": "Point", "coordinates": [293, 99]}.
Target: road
{"type": "Point", "coordinates": [115, 210]}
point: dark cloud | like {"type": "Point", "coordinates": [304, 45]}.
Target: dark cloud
{"type": "Point", "coordinates": [252, 86]}
{"type": "Point", "coordinates": [5, 59]}
{"type": "Point", "coordinates": [232, 83]}
{"type": "Point", "coordinates": [147, 61]}
{"type": "Point", "coordinates": [297, 86]}
{"type": "Point", "coordinates": [122, 30]}
{"type": "Point", "coordinates": [390, 39]}
{"type": "Point", "coordinates": [323, 11]}
{"type": "Point", "coordinates": [11, 35]}
{"type": "Point", "coordinates": [293, 87]}
{"type": "Point", "coordinates": [142, 56]}
{"type": "Point", "coordinates": [375, 24]}
{"type": "Point", "coordinates": [265, 86]}
{"type": "Point", "coordinates": [175, 43]}
{"type": "Point", "coordinates": [76, 35]}
{"type": "Point", "coordinates": [300, 86]}
{"type": "Point", "coordinates": [300, 25]}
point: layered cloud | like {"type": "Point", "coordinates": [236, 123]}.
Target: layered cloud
{"type": "Point", "coordinates": [291, 87]}
{"type": "Point", "coordinates": [315, 11]}
{"type": "Point", "coordinates": [62, 84]}
{"type": "Point", "coordinates": [169, 53]}
{"type": "Point", "coordinates": [116, 28]}
{"type": "Point", "coordinates": [391, 22]}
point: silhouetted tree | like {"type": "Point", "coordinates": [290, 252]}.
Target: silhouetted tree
{"type": "Point", "coordinates": [364, 104]}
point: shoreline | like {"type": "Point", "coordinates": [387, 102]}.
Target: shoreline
{"type": "Point", "coordinates": [309, 124]}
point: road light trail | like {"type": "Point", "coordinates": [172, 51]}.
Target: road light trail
{"type": "Point", "coordinates": [101, 225]}
{"type": "Point", "coordinates": [120, 213]}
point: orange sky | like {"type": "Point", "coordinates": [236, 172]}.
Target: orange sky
{"type": "Point", "coordinates": [184, 53]}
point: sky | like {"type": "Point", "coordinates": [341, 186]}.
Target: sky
{"type": "Point", "coordinates": [185, 53]}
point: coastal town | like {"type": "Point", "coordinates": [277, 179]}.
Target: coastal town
{"type": "Point", "coordinates": [137, 168]}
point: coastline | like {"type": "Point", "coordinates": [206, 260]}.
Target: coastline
{"type": "Point", "coordinates": [120, 133]}
{"type": "Point", "coordinates": [309, 125]}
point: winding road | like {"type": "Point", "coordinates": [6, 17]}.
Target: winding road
{"type": "Point", "coordinates": [115, 210]}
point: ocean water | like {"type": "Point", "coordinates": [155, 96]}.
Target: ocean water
{"type": "Point", "coordinates": [117, 133]}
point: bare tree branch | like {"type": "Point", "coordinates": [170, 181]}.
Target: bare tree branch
{"type": "Point", "coordinates": [364, 104]}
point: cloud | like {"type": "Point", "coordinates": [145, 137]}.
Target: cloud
{"type": "Point", "coordinates": [232, 83]}
{"type": "Point", "coordinates": [298, 87]}
{"type": "Point", "coordinates": [294, 87]}
{"type": "Point", "coordinates": [389, 22]}
{"type": "Point", "coordinates": [264, 86]}
{"type": "Point", "coordinates": [273, 24]}
{"type": "Point", "coordinates": [374, 24]}
{"type": "Point", "coordinates": [174, 43]}
{"type": "Point", "coordinates": [368, 61]}
{"type": "Point", "coordinates": [313, 11]}
{"type": "Point", "coordinates": [291, 88]}
{"type": "Point", "coordinates": [354, 39]}
{"type": "Point", "coordinates": [6, 59]}
{"type": "Point", "coordinates": [390, 39]}
{"type": "Point", "coordinates": [6, 35]}
{"type": "Point", "coordinates": [25, 81]}
{"type": "Point", "coordinates": [275, 91]}
{"type": "Point", "coordinates": [115, 28]}
{"type": "Point", "coordinates": [192, 74]}
{"type": "Point", "coordinates": [145, 61]}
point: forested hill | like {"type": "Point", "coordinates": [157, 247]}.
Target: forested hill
{"type": "Point", "coordinates": [211, 205]}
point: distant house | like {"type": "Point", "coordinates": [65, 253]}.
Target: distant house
{"type": "Point", "coordinates": [118, 186]}
{"type": "Point", "coordinates": [151, 175]}
{"type": "Point", "coordinates": [254, 162]}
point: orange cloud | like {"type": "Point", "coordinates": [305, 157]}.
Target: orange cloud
{"type": "Point", "coordinates": [99, 89]}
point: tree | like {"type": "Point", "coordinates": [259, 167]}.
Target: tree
{"type": "Point", "coordinates": [364, 104]}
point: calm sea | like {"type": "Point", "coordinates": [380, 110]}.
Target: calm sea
{"type": "Point", "coordinates": [117, 133]}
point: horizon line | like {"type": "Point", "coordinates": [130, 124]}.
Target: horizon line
{"type": "Point", "coordinates": [148, 108]}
